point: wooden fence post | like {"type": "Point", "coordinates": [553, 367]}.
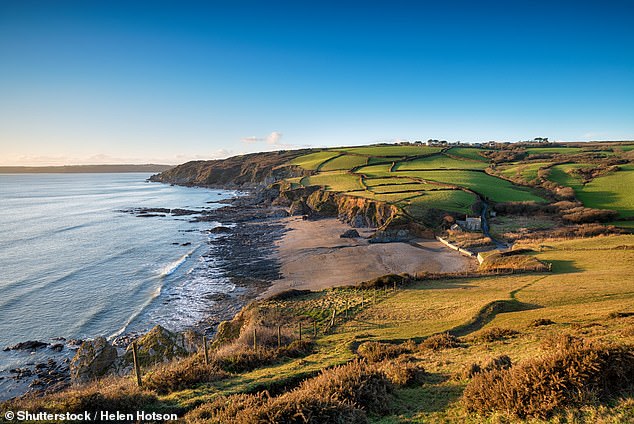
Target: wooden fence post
{"type": "Point", "coordinates": [362, 299]}
{"type": "Point", "coordinates": [332, 321]}
{"type": "Point", "coordinates": [137, 368]}
{"type": "Point", "coordinates": [279, 336]}
{"type": "Point", "coordinates": [300, 331]}
{"type": "Point", "coordinates": [255, 339]}
{"type": "Point", "coordinates": [206, 352]}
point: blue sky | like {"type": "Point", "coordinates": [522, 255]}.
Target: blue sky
{"type": "Point", "coordinates": [96, 82]}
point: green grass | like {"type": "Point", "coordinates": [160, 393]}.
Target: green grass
{"type": "Point", "coordinates": [523, 171]}
{"type": "Point", "coordinates": [371, 182]}
{"type": "Point", "coordinates": [448, 200]}
{"type": "Point", "coordinates": [468, 153]}
{"type": "Point", "coordinates": [494, 188]}
{"type": "Point", "coordinates": [613, 191]}
{"type": "Point", "coordinates": [345, 162]}
{"type": "Point", "coordinates": [391, 151]}
{"type": "Point", "coordinates": [334, 181]}
{"type": "Point", "coordinates": [438, 162]}
{"type": "Point", "coordinates": [404, 187]}
{"type": "Point", "coordinates": [553, 150]}
{"type": "Point", "coordinates": [312, 161]}
{"type": "Point", "coordinates": [376, 170]}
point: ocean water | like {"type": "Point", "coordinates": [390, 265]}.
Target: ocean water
{"type": "Point", "coordinates": [74, 264]}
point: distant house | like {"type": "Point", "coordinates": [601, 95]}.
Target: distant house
{"type": "Point", "coordinates": [471, 224]}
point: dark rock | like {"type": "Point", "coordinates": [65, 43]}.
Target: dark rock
{"type": "Point", "coordinates": [186, 244]}
{"type": "Point", "coordinates": [92, 360]}
{"type": "Point", "coordinates": [150, 215]}
{"type": "Point", "coordinates": [28, 345]}
{"type": "Point", "coordinates": [350, 234]}
{"type": "Point", "coordinates": [181, 212]}
{"type": "Point", "coordinates": [299, 207]}
{"type": "Point", "coordinates": [219, 230]}
{"type": "Point", "coordinates": [57, 347]}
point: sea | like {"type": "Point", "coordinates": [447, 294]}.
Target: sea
{"type": "Point", "coordinates": [77, 261]}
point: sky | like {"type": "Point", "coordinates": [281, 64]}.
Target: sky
{"type": "Point", "coordinates": [87, 82]}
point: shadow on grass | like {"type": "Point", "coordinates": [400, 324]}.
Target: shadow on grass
{"type": "Point", "coordinates": [564, 267]}
{"type": "Point", "coordinates": [427, 398]}
{"type": "Point", "coordinates": [488, 312]}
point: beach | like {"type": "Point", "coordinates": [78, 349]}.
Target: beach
{"type": "Point", "coordinates": [313, 256]}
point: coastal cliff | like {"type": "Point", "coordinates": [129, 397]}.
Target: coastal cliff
{"type": "Point", "coordinates": [254, 170]}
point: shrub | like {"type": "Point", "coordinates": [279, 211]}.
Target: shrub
{"type": "Point", "coordinates": [355, 382]}
{"type": "Point", "coordinates": [440, 341]}
{"type": "Point", "coordinates": [403, 372]}
{"type": "Point", "coordinates": [577, 374]}
{"type": "Point", "coordinates": [109, 394]}
{"type": "Point", "coordinates": [540, 322]}
{"type": "Point", "coordinates": [497, 363]}
{"type": "Point", "coordinates": [337, 395]}
{"type": "Point", "coordinates": [377, 352]}
{"type": "Point", "coordinates": [182, 374]}
{"type": "Point", "coordinates": [293, 407]}
{"type": "Point", "coordinates": [496, 333]}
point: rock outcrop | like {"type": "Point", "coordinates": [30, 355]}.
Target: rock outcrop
{"type": "Point", "coordinates": [93, 359]}
{"type": "Point", "coordinates": [159, 345]}
{"type": "Point", "coordinates": [254, 170]}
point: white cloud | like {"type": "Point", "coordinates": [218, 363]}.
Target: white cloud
{"type": "Point", "coordinates": [274, 138]}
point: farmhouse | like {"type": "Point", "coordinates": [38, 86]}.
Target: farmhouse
{"type": "Point", "coordinates": [471, 224]}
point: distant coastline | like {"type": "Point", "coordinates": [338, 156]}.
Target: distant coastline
{"type": "Point", "coordinates": [76, 169]}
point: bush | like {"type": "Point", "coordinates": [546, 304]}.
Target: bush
{"type": "Point", "coordinates": [355, 382]}
{"type": "Point", "coordinates": [377, 352]}
{"type": "Point", "coordinates": [109, 394]}
{"type": "Point", "coordinates": [403, 372]}
{"type": "Point", "coordinates": [583, 215]}
{"type": "Point", "coordinates": [540, 322]}
{"type": "Point", "coordinates": [496, 333]}
{"type": "Point", "coordinates": [440, 341]}
{"type": "Point", "coordinates": [183, 374]}
{"type": "Point", "coordinates": [502, 362]}
{"type": "Point", "coordinates": [337, 395]}
{"type": "Point", "coordinates": [577, 374]}
{"type": "Point", "coordinates": [293, 407]}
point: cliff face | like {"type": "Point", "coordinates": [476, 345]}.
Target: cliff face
{"type": "Point", "coordinates": [246, 171]}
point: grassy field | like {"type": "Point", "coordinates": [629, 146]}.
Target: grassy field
{"type": "Point", "coordinates": [612, 191]}
{"type": "Point", "coordinates": [438, 162]}
{"type": "Point", "coordinates": [589, 283]}
{"type": "Point", "coordinates": [553, 150]}
{"type": "Point", "coordinates": [491, 187]}
{"type": "Point", "coordinates": [449, 200]}
{"type": "Point", "coordinates": [343, 162]}
{"type": "Point", "coordinates": [468, 153]}
{"type": "Point", "coordinates": [312, 161]}
{"type": "Point", "coordinates": [334, 181]}
{"type": "Point", "coordinates": [526, 172]}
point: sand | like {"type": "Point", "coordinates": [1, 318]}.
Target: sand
{"type": "Point", "coordinates": [314, 257]}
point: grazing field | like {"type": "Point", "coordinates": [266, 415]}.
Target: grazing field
{"type": "Point", "coordinates": [448, 200]}
{"type": "Point", "coordinates": [438, 162]}
{"type": "Point", "coordinates": [553, 150]}
{"type": "Point", "coordinates": [494, 188]}
{"type": "Point", "coordinates": [312, 161]}
{"type": "Point", "coordinates": [468, 153]}
{"type": "Point", "coordinates": [343, 162]}
{"type": "Point", "coordinates": [525, 172]}
{"type": "Point", "coordinates": [334, 181]}
{"type": "Point", "coordinates": [613, 191]}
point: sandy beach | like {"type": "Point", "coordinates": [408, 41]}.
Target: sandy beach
{"type": "Point", "coordinates": [314, 257]}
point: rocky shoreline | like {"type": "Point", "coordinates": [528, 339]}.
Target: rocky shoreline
{"type": "Point", "coordinates": [242, 251]}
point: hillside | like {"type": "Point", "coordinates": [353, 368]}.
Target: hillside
{"type": "Point", "coordinates": [538, 333]}
{"type": "Point", "coordinates": [549, 185]}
